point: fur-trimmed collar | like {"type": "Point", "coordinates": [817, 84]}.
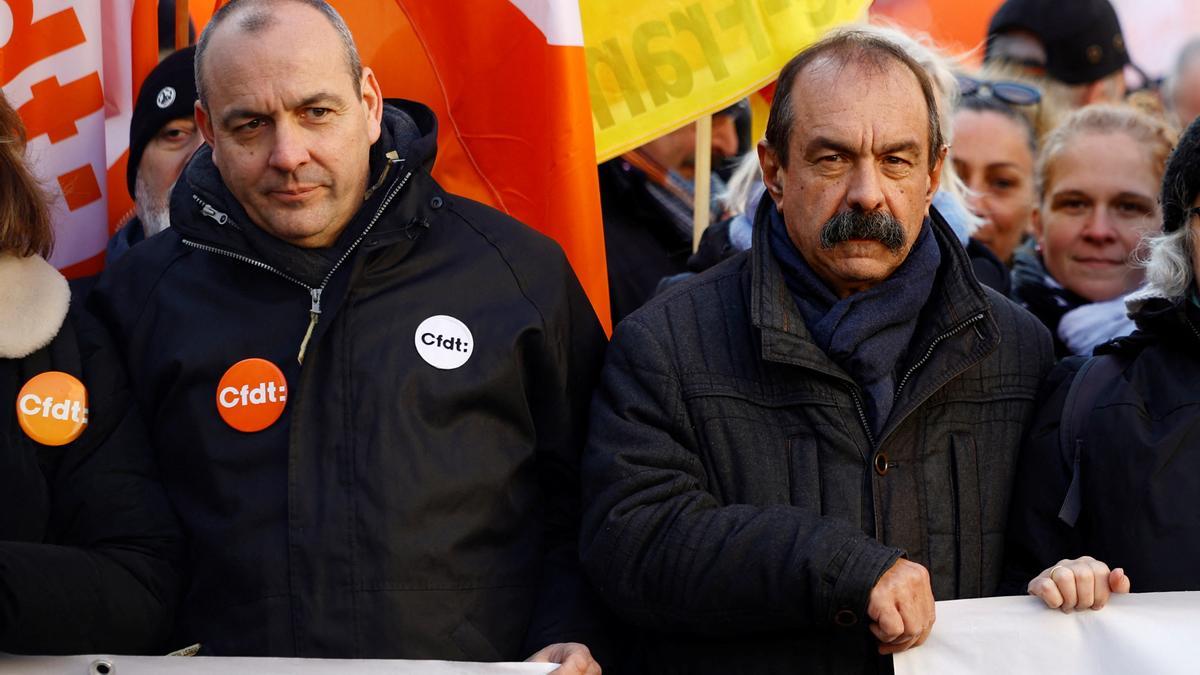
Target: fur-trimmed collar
{"type": "Point", "coordinates": [34, 299]}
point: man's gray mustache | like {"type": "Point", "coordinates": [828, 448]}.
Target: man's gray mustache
{"type": "Point", "coordinates": [878, 226]}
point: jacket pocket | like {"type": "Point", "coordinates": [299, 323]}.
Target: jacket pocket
{"type": "Point", "coordinates": [968, 521]}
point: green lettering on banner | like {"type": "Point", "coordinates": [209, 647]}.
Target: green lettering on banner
{"type": "Point", "coordinates": [742, 13]}
{"type": "Point", "coordinates": [612, 57]}
{"type": "Point", "coordinates": [650, 63]}
{"type": "Point", "coordinates": [824, 14]}
{"type": "Point", "coordinates": [696, 23]}
{"type": "Point", "coordinates": [772, 7]}
{"type": "Point", "coordinates": [656, 64]}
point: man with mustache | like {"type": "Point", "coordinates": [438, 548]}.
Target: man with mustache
{"type": "Point", "coordinates": [367, 395]}
{"type": "Point", "coordinates": [795, 453]}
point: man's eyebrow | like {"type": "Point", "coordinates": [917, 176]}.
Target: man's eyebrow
{"type": "Point", "coordinates": [901, 147]}
{"type": "Point", "coordinates": [235, 114]}
{"type": "Point", "coordinates": [826, 143]}
{"type": "Point", "coordinates": [322, 97]}
{"type": "Point", "coordinates": [329, 98]}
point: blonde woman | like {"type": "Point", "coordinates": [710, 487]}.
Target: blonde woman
{"type": "Point", "coordinates": [1097, 199]}
{"type": "Point", "coordinates": [1106, 488]}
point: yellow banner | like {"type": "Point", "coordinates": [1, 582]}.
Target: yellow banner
{"type": "Point", "coordinates": [655, 65]}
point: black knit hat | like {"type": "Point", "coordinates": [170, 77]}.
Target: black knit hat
{"type": "Point", "coordinates": [1082, 38]}
{"type": "Point", "coordinates": [1181, 180]}
{"type": "Point", "coordinates": [168, 93]}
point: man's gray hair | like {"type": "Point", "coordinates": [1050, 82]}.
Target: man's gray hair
{"type": "Point", "coordinates": [254, 16]}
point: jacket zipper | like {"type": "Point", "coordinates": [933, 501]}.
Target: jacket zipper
{"type": "Point", "coordinates": [929, 352]}
{"type": "Point", "coordinates": [314, 312]}
{"type": "Point", "coordinates": [858, 404]}
{"type": "Point", "coordinates": [1192, 326]}
{"type": "Point", "coordinates": [862, 417]}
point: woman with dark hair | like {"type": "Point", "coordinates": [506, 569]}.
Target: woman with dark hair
{"type": "Point", "coordinates": [87, 539]}
{"type": "Point", "coordinates": [1112, 466]}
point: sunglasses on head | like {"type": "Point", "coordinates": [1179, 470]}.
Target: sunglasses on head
{"type": "Point", "coordinates": [1013, 93]}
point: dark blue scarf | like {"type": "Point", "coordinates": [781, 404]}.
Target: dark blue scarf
{"type": "Point", "coordinates": [868, 332]}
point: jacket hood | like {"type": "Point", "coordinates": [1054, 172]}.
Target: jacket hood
{"type": "Point", "coordinates": [203, 210]}
{"type": "Point", "coordinates": [1158, 319]}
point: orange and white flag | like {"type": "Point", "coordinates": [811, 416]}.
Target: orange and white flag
{"type": "Point", "coordinates": [508, 83]}
{"type": "Point", "coordinates": [70, 68]}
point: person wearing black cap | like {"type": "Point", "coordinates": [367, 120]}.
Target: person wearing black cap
{"type": "Point", "coordinates": [1076, 44]}
{"type": "Point", "coordinates": [162, 136]}
{"type": "Point", "coordinates": [1111, 468]}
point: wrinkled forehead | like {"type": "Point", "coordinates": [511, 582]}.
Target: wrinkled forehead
{"type": "Point", "coordinates": [881, 96]}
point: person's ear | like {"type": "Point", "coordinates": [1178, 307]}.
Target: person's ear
{"type": "Point", "coordinates": [1036, 221]}
{"type": "Point", "coordinates": [372, 99]}
{"type": "Point", "coordinates": [935, 174]}
{"type": "Point", "coordinates": [203, 123]}
{"type": "Point", "coordinates": [773, 173]}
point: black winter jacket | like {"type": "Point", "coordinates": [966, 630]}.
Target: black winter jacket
{"type": "Point", "coordinates": [1034, 289]}
{"type": "Point", "coordinates": [1139, 463]}
{"type": "Point", "coordinates": [396, 509]}
{"type": "Point", "coordinates": [739, 510]}
{"type": "Point", "coordinates": [641, 243]}
{"type": "Point", "coordinates": [88, 543]}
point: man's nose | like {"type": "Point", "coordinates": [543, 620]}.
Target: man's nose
{"type": "Point", "coordinates": [865, 193]}
{"type": "Point", "coordinates": [724, 137]}
{"type": "Point", "coordinates": [289, 150]}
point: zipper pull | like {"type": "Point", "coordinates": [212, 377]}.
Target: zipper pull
{"type": "Point", "coordinates": [216, 215]}
{"type": "Point", "coordinates": [314, 313]}
{"type": "Point", "coordinates": [393, 157]}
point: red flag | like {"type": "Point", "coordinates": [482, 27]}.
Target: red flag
{"type": "Point", "coordinates": [72, 76]}
{"type": "Point", "coordinates": [507, 80]}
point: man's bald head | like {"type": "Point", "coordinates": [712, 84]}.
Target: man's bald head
{"type": "Point", "coordinates": [256, 16]}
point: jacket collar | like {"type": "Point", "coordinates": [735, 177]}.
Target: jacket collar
{"type": "Point", "coordinates": [1158, 319]}
{"type": "Point", "coordinates": [956, 302]}
{"type": "Point", "coordinates": [34, 298]}
{"type": "Point", "coordinates": [785, 337]}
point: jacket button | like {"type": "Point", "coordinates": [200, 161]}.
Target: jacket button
{"type": "Point", "coordinates": [881, 464]}
{"type": "Point", "coordinates": [845, 618]}
{"type": "Point", "coordinates": [436, 202]}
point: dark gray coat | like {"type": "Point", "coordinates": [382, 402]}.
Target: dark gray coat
{"type": "Point", "coordinates": [737, 507]}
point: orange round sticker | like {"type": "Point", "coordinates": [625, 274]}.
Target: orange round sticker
{"type": "Point", "coordinates": [251, 395]}
{"type": "Point", "coordinates": [52, 408]}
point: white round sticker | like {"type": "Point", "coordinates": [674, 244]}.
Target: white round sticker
{"type": "Point", "coordinates": [444, 342]}
{"type": "Point", "coordinates": [166, 96]}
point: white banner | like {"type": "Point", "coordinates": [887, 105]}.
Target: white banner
{"type": "Point", "coordinates": [203, 665]}
{"type": "Point", "coordinates": [1138, 633]}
